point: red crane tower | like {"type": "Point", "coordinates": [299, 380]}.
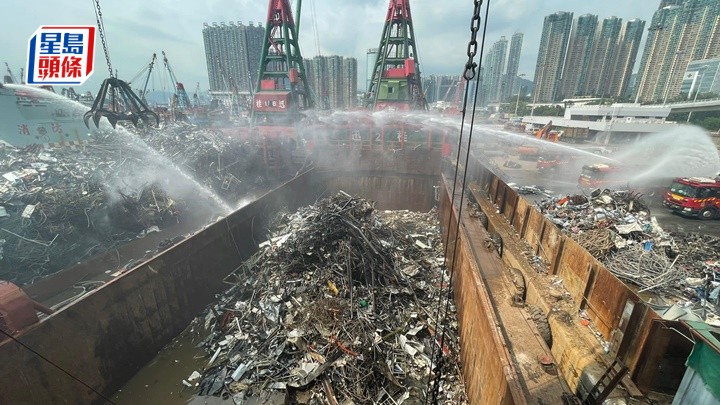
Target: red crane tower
{"type": "Point", "coordinates": [282, 90]}
{"type": "Point", "coordinates": [395, 80]}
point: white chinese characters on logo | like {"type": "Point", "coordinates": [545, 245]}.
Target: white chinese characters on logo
{"type": "Point", "coordinates": [60, 55]}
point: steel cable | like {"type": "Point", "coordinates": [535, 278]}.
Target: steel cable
{"type": "Point", "coordinates": [469, 74]}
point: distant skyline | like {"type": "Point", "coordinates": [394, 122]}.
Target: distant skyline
{"type": "Point", "coordinates": [137, 29]}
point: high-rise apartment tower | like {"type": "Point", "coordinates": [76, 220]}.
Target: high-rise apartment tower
{"type": "Point", "coordinates": [579, 55]}
{"type": "Point", "coordinates": [680, 32]}
{"type": "Point", "coordinates": [232, 53]}
{"type": "Point", "coordinates": [551, 56]}
{"type": "Point", "coordinates": [512, 65]}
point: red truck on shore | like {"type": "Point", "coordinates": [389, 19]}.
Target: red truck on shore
{"type": "Point", "coordinates": [601, 175]}
{"type": "Point", "coordinates": [695, 197]}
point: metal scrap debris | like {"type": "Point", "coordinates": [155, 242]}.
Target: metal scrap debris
{"type": "Point", "coordinates": [58, 206]}
{"type": "Point", "coordinates": [231, 167]}
{"type": "Point", "coordinates": [616, 227]}
{"type": "Point", "coordinates": [62, 205]}
{"type": "Point", "coordinates": [335, 307]}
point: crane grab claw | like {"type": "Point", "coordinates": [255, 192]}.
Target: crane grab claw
{"type": "Point", "coordinates": [117, 102]}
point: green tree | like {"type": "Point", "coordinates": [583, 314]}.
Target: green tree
{"type": "Point", "coordinates": [709, 120]}
{"type": "Point", "coordinates": [556, 111]}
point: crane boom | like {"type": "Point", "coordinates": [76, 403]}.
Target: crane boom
{"type": "Point", "coordinates": [143, 92]}
{"type": "Point", "coordinates": [10, 74]}
{"type": "Point", "coordinates": [298, 8]}
{"type": "Point", "coordinates": [183, 99]}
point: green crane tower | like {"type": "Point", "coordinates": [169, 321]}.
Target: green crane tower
{"type": "Point", "coordinates": [395, 82]}
{"type": "Point", "coordinates": [282, 89]}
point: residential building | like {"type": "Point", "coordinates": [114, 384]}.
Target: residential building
{"type": "Point", "coordinates": [336, 82]}
{"type": "Point", "coordinates": [551, 56]}
{"type": "Point", "coordinates": [232, 53]}
{"type": "Point", "coordinates": [579, 55]}
{"type": "Point", "coordinates": [494, 69]}
{"type": "Point", "coordinates": [626, 54]}
{"type": "Point", "coordinates": [512, 65]}
{"type": "Point", "coordinates": [701, 77]}
{"type": "Point", "coordinates": [665, 3]}
{"type": "Point", "coordinates": [316, 73]}
{"type": "Point", "coordinates": [680, 32]}
{"type": "Point", "coordinates": [370, 59]}
{"type": "Point", "coordinates": [632, 86]}
{"type": "Point", "coordinates": [604, 53]}
{"type": "Point", "coordinates": [333, 81]}
{"type": "Point", "coordinates": [350, 73]}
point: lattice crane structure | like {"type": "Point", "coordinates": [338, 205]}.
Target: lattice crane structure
{"type": "Point", "coordinates": [395, 82]}
{"type": "Point", "coordinates": [282, 89]}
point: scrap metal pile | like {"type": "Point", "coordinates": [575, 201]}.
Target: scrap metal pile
{"type": "Point", "coordinates": [60, 206]}
{"type": "Point", "coordinates": [232, 168]}
{"type": "Point", "coordinates": [337, 307]}
{"type": "Point", "coordinates": [617, 228]}
{"type": "Point", "coordinates": [57, 207]}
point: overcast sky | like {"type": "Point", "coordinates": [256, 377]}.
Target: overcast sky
{"type": "Point", "coordinates": [138, 28]}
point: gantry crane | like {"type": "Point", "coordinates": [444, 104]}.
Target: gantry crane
{"type": "Point", "coordinates": [143, 92]}
{"type": "Point", "coordinates": [395, 82]}
{"type": "Point", "coordinates": [282, 91]}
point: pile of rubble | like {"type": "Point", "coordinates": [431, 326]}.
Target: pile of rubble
{"type": "Point", "coordinates": [617, 228]}
{"type": "Point", "coordinates": [338, 307]}
{"type": "Point", "coordinates": [232, 168]}
{"type": "Point", "coordinates": [57, 206]}
{"type": "Point", "coordinates": [60, 206]}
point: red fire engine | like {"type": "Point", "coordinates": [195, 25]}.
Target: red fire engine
{"type": "Point", "coordinates": [553, 162]}
{"type": "Point", "coordinates": [601, 175]}
{"type": "Point", "coordinates": [694, 196]}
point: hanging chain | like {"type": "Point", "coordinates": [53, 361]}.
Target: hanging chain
{"type": "Point", "coordinates": [101, 33]}
{"type": "Point", "coordinates": [471, 66]}
{"type": "Point", "coordinates": [469, 73]}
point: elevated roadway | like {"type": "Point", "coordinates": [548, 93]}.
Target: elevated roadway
{"type": "Point", "coordinates": [695, 106]}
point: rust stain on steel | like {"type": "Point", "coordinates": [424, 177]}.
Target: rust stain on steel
{"type": "Point", "coordinates": [550, 240]}
{"type": "Point", "coordinates": [607, 301]}
{"type": "Point", "coordinates": [487, 367]}
{"type": "Point", "coordinates": [510, 202]}
{"type": "Point", "coordinates": [520, 215]}
{"type": "Point", "coordinates": [574, 270]}
{"type": "Point", "coordinates": [493, 190]}
{"type": "Point", "coordinates": [533, 230]}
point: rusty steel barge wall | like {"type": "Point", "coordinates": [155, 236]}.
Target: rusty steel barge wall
{"type": "Point", "coordinates": [107, 336]}
{"type": "Point", "coordinates": [490, 377]}
{"type": "Point", "coordinates": [592, 286]}
{"type": "Point", "coordinates": [403, 179]}
{"type": "Point", "coordinates": [110, 334]}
